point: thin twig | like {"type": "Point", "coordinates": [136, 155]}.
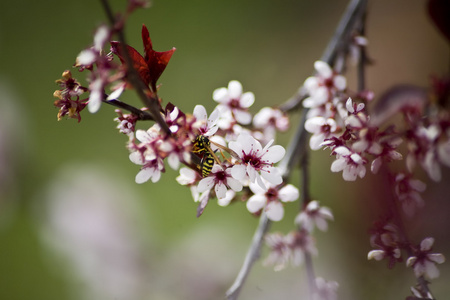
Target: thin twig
{"type": "Point", "coordinates": [252, 255]}
{"type": "Point", "coordinates": [310, 274]}
{"type": "Point", "coordinates": [140, 114]}
{"type": "Point", "coordinates": [297, 146]}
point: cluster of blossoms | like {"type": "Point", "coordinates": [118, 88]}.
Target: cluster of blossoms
{"type": "Point", "coordinates": [222, 152]}
{"type": "Point", "coordinates": [232, 151]}
{"type": "Point", "coordinates": [355, 138]}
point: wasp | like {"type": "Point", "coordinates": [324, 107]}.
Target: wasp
{"type": "Point", "coordinates": [202, 146]}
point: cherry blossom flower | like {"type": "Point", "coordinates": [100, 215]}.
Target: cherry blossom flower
{"type": "Point", "coordinates": [127, 123]}
{"type": "Point", "coordinates": [314, 215]}
{"type": "Point", "coordinates": [386, 239]}
{"type": "Point", "coordinates": [150, 170]}
{"type": "Point", "coordinates": [323, 85]}
{"type": "Point", "coordinates": [280, 252]}
{"type": "Point", "coordinates": [232, 99]}
{"type": "Point", "coordinates": [271, 199]}
{"type": "Point", "coordinates": [321, 129]}
{"type": "Point", "coordinates": [424, 262]}
{"type": "Point", "coordinates": [290, 248]}
{"type": "Point", "coordinates": [325, 290]}
{"type": "Point", "coordinates": [301, 242]}
{"type": "Point", "coordinates": [351, 163]}
{"type": "Point", "coordinates": [221, 180]}
{"type": "Point", "coordinates": [256, 161]}
{"type": "Point", "coordinates": [270, 120]}
{"type": "Point", "coordinates": [229, 196]}
{"type": "Point", "coordinates": [206, 126]}
{"type": "Point", "coordinates": [408, 192]}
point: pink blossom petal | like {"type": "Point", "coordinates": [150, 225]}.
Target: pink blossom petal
{"type": "Point", "coordinates": [272, 175]}
{"type": "Point", "coordinates": [242, 117]}
{"type": "Point", "coordinates": [321, 224]}
{"type": "Point", "coordinates": [256, 203]}
{"type": "Point", "coordinates": [234, 184]}
{"type": "Point", "coordinates": [144, 175]}
{"type": "Point", "coordinates": [288, 193]}
{"type": "Point", "coordinates": [274, 154]}
{"type": "Point", "coordinates": [338, 165]}
{"type": "Point", "coordinates": [323, 69]}
{"type": "Point", "coordinates": [187, 176]}
{"type": "Point", "coordinates": [247, 99]}
{"type": "Point", "coordinates": [136, 158]}
{"type": "Point", "coordinates": [174, 161]}
{"type": "Point", "coordinates": [205, 184]}
{"type": "Point", "coordinates": [436, 257]}
{"type": "Point", "coordinates": [340, 82]}
{"type": "Point", "coordinates": [431, 270]}
{"type": "Point", "coordinates": [275, 211]}
{"type": "Point", "coordinates": [316, 140]}
{"type": "Point", "coordinates": [220, 95]}
{"type": "Point", "coordinates": [376, 254]}
{"type": "Point", "coordinates": [221, 190]}
{"type": "Point", "coordinates": [238, 172]}
{"type": "Point", "coordinates": [200, 113]}
{"type": "Point", "coordinates": [426, 244]}
{"type": "Point", "coordinates": [234, 89]}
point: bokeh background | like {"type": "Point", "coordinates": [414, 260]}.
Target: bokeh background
{"type": "Point", "coordinates": [75, 225]}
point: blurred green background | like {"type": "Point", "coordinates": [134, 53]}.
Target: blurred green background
{"type": "Point", "coordinates": [269, 46]}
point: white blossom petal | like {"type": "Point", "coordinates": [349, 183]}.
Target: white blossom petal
{"type": "Point", "coordinates": [288, 193]}
{"type": "Point", "coordinates": [275, 211]}
{"type": "Point", "coordinates": [256, 203]}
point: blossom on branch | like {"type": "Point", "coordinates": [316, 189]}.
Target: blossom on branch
{"type": "Point", "coordinates": [255, 161]}
{"type": "Point", "coordinates": [424, 262]}
{"type": "Point", "coordinates": [350, 163]}
{"type": "Point", "coordinates": [289, 248]}
{"type": "Point", "coordinates": [316, 215]}
{"type": "Point", "coordinates": [271, 199]}
{"type": "Point", "coordinates": [232, 100]}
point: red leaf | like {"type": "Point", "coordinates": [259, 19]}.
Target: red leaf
{"type": "Point", "coordinates": [156, 61]}
{"type": "Point", "coordinates": [139, 63]}
{"type": "Point", "coordinates": [152, 65]}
